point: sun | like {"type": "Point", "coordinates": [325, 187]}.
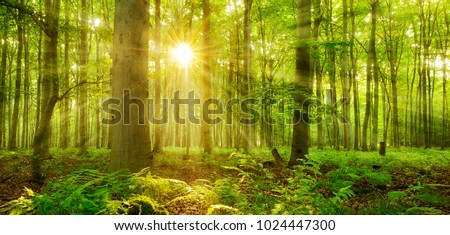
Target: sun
{"type": "Point", "coordinates": [183, 54]}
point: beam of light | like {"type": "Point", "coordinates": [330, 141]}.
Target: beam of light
{"type": "Point", "coordinates": [183, 54]}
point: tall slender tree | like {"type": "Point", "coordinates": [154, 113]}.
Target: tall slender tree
{"type": "Point", "coordinates": [301, 135]}
{"type": "Point", "coordinates": [159, 135]}
{"type": "Point", "coordinates": [12, 144]}
{"type": "Point", "coordinates": [206, 75]}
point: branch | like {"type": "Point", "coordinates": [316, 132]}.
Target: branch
{"type": "Point", "coordinates": [77, 85]}
{"type": "Point", "coordinates": [37, 17]}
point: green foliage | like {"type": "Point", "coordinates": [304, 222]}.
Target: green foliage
{"type": "Point", "coordinates": [83, 192]}
{"type": "Point", "coordinates": [21, 206]}
{"type": "Point", "coordinates": [227, 192]}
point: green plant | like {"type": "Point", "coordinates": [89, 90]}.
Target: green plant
{"type": "Point", "coordinates": [21, 206]}
{"type": "Point", "coordinates": [83, 192]}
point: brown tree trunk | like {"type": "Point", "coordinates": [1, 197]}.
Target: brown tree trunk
{"type": "Point", "coordinates": [3, 83]}
{"type": "Point", "coordinates": [26, 94]}
{"type": "Point", "coordinates": [50, 89]}
{"type": "Point", "coordinates": [130, 138]}
{"type": "Point", "coordinates": [357, 121]}
{"type": "Point", "coordinates": [159, 135]}
{"type": "Point", "coordinates": [247, 130]}
{"type": "Point", "coordinates": [346, 85]}
{"type": "Point", "coordinates": [65, 109]}
{"type": "Point", "coordinates": [206, 75]}
{"type": "Point", "coordinates": [374, 64]}
{"type": "Point", "coordinates": [300, 136]}
{"type": "Point", "coordinates": [84, 137]}
{"type": "Point", "coordinates": [12, 144]}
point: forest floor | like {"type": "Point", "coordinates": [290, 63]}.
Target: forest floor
{"type": "Point", "coordinates": [411, 178]}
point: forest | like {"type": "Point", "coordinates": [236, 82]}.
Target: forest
{"type": "Point", "coordinates": [224, 107]}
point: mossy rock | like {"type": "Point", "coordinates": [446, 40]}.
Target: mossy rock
{"type": "Point", "coordinates": [222, 210]}
{"type": "Point", "coordinates": [142, 205]}
{"type": "Point", "coordinates": [164, 190]}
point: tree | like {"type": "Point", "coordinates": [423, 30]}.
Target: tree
{"type": "Point", "coordinates": [3, 82]}
{"type": "Point", "coordinates": [206, 75]}
{"type": "Point", "coordinates": [158, 147]}
{"type": "Point", "coordinates": [50, 88]}
{"type": "Point", "coordinates": [247, 130]}
{"type": "Point", "coordinates": [83, 75]}
{"type": "Point", "coordinates": [346, 84]}
{"type": "Point", "coordinates": [12, 144]}
{"type": "Point", "coordinates": [130, 139]}
{"type": "Point", "coordinates": [373, 64]}
{"type": "Point", "coordinates": [300, 135]}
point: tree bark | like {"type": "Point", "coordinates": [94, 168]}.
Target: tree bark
{"type": "Point", "coordinates": [356, 114]}
{"type": "Point", "coordinates": [300, 136]}
{"type": "Point", "coordinates": [374, 65]}
{"type": "Point", "coordinates": [84, 137]}
{"type": "Point", "coordinates": [65, 109]}
{"type": "Point", "coordinates": [3, 83]}
{"type": "Point", "coordinates": [346, 85]}
{"type": "Point", "coordinates": [159, 135]}
{"type": "Point", "coordinates": [50, 89]}
{"type": "Point", "coordinates": [130, 142]}
{"type": "Point", "coordinates": [246, 89]}
{"type": "Point", "coordinates": [12, 144]}
{"type": "Point", "coordinates": [206, 75]}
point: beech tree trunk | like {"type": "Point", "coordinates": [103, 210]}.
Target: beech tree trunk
{"type": "Point", "coordinates": [300, 136]}
{"type": "Point", "coordinates": [206, 75]}
{"type": "Point", "coordinates": [12, 144]}
{"type": "Point", "coordinates": [50, 89]}
{"type": "Point", "coordinates": [159, 136]}
{"type": "Point", "coordinates": [130, 138]}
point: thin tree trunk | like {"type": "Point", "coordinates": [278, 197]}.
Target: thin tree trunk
{"type": "Point", "coordinates": [317, 66]}
{"type": "Point", "coordinates": [346, 84]}
{"type": "Point", "coordinates": [84, 137]}
{"type": "Point", "coordinates": [3, 83]}
{"type": "Point", "coordinates": [246, 89]}
{"type": "Point", "coordinates": [26, 94]}
{"type": "Point", "coordinates": [206, 75]}
{"type": "Point", "coordinates": [65, 110]}
{"type": "Point", "coordinates": [159, 135]}
{"type": "Point", "coordinates": [374, 70]}
{"type": "Point", "coordinates": [354, 72]}
{"type": "Point", "coordinates": [12, 144]}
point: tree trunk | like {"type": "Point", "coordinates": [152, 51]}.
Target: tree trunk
{"type": "Point", "coordinates": [354, 80]}
{"type": "Point", "coordinates": [130, 139]}
{"type": "Point", "coordinates": [374, 64]}
{"type": "Point", "coordinates": [84, 137]}
{"type": "Point", "coordinates": [206, 76]}
{"type": "Point", "coordinates": [317, 66]}
{"type": "Point", "coordinates": [26, 94]}
{"type": "Point", "coordinates": [346, 85]}
{"type": "Point", "coordinates": [50, 89]}
{"type": "Point", "coordinates": [65, 110]}
{"type": "Point", "coordinates": [12, 144]}
{"type": "Point", "coordinates": [159, 135]}
{"type": "Point", "coordinates": [246, 89]}
{"type": "Point", "coordinates": [300, 136]}
{"type": "Point", "coordinates": [3, 83]}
